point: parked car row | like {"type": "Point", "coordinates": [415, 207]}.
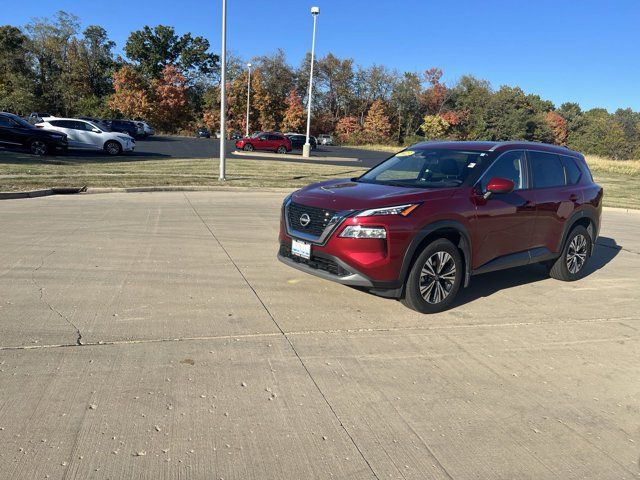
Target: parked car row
{"type": "Point", "coordinates": [134, 128]}
{"type": "Point", "coordinates": [17, 132]}
{"type": "Point", "coordinates": [275, 141]}
{"type": "Point", "coordinates": [86, 135]}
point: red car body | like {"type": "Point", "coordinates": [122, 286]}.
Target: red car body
{"type": "Point", "coordinates": [492, 232]}
{"type": "Point", "coordinates": [272, 141]}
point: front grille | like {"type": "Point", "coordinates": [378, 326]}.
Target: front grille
{"type": "Point", "coordinates": [320, 218]}
{"type": "Point", "coordinates": [316, 262]}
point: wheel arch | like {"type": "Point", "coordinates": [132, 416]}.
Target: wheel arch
{"type": "Point", "coordinates": [585, 218]}
{"type": "Point", "coordinates": [449, 229]}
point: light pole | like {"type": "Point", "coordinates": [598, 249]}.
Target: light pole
{"type": "Point", "coordinates": [306, 149]}
{"type": "Point", "coordinates": [223, 92]}
{"type": "Point", "coordinates": [248, 97]}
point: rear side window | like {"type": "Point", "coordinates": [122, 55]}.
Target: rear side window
{"type": "Point", "coordinates": [546, 169]}
{"type": "Point", "coordinates": [7, 122]}
{"type": "Point", "coordinates": [572, 171]}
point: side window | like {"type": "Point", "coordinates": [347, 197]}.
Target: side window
{"type": "Point", "coordinates": [7, 122]}
{"type": "Point", "coordinates": [509, 165]}
{"type": "Point", "coordinates": [571, 170]}
{"type": "Point", "coordinates": [547, 170]}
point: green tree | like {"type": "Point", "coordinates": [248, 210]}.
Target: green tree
{"type": "Point", "coordinates": [152, 49]}
{"type": "Point", "coordinates": [16, 83]}
{"type": "Point", "coordinates": [434, 127]}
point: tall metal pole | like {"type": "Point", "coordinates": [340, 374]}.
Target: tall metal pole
{"type": "Point", "coordinates": [306, 149]}
{"type": "Point", "coordinates": [248, 98]}
{"type": "Point", "coordinates": [223, 92]}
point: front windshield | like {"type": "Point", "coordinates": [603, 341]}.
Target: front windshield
{"type": "Point", "coordinates": [426, 168]}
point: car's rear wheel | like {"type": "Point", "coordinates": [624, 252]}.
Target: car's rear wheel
{"type": "Point", "coordinates": [570, 265]}
{"type": "Point", "coordinates": [435, 278]}
{"type": "Point", "coordinates": [282, 149]}
{"type": "Point", "coordinates": [113, 148]}
{"type": "Point", "coordinates": [248, 147]}
{"type": "Point", "coordinates": [38, 147]}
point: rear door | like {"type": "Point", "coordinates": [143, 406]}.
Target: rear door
{"type": "Point", "coordinates": [504, 222]}
{"type": "Point", "coordinates": [556, 199]}
{"type": "Point", "coordinates": [68, 127]}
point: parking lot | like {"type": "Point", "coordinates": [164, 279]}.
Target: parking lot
{"type": "Point", "coordinates": [159, 147]}
{"type": "Point", "coordinates": [156, 336]}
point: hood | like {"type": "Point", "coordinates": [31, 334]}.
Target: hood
{"type": "Point", "coordinates": [346, 194]}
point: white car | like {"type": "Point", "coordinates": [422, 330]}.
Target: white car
{"type": "Point", "coordinates": [147, 130]}
{"type": "Point", "coordinates": [86, 135]}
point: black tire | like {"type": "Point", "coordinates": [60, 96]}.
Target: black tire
{"type": "Point", "coordinates": [282, 149]}
{"type": "Point", "coordinates": [248, 147]}
{"type": "Point", "coordinates": [570, 265]}
{"type": "Point", "coordinates": [435, 278]}
{"type": "Point", "coordinates": [113, 148]}
{"type": "Point", "coordinates": [38, 147]}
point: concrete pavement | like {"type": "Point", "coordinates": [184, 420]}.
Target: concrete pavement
{"type": "Point", "coordinates": [155, 335]}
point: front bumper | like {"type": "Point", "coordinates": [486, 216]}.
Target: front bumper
{"type": "Point", "coordinates": [324, 269]}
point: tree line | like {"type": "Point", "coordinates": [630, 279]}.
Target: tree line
{"type": "Point", "coordinates": [172, 80]}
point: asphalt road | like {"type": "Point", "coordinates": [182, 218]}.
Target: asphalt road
{"type": "Point", "coordinates": [159, 147]}
{"type": "Point", "coordinates": [155, 336]}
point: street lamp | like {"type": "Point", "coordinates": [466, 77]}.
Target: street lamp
{"type": "Point", "coordinates": [248, 97]}
{"type": "Point", "coordinates": [306, 149]}
{"type": "Point", "coordinates": [223, 91]}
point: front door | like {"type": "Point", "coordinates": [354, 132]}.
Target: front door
{"type": "Point", "coordinates": [504, 222]}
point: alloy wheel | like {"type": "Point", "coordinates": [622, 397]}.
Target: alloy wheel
{"type": "Point", "coordinates": [437, 277]}
{"type": "Point", "coordinates": [38, 147]}
{"type": "Point", "coordinates": [576, 254]}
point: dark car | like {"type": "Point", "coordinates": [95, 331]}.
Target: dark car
{"type": "Point", "coordinates": [273, 141]}
{"type": "Point", "coordinates": [17, 132]}
{"type": "Point", "coordinates": [203, 132]}
{"type": "Point", "coordinates": [298, 140]}
{"type": "Point", "coordinates": [124, 126]}
{"type": "Point", "coordinates": [421, 223]}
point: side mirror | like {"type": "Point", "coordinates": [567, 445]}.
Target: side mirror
{"type": "Point", "coordinates": [498, 185]}
{"type": "Point", "coordinates": [96, 130]}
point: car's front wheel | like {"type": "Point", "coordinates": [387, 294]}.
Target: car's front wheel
{"type": "Point", "coordinates": [38, 147]}
{"type": "Point", "coordinates": [570, 265]}
{"type": "Point", "coordinates": [113, 148]}
{"type": "Point", "coordinates": [435, 278]}
{"type": "Point", "coordinates": [248, 148]}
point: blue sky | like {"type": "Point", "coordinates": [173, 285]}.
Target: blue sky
{"type": "Point", "coordinates": [585, 51]}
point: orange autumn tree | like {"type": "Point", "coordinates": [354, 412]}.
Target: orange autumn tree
{"type": "Point", "coordinates": [349, 130]}
{"type": "Point", "coordinates": [170, 106]}
{"type": "Point", "coordinates": [131, 95]}
{"type": "Point", "coordinates": [558, 125]}
{"type": "Point", "coordinates": [377, 127]}
{"type": "Point", "coordinates": [294, 116]}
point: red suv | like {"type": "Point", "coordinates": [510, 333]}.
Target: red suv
{"type": "Point", "coordinates": [265, 141]}
{"type": "Point", "coordinates": [421, 223]}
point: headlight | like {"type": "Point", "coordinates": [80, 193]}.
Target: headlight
{"type": "Point", "coordinates": [403, 210]}
{"type": "Point", "coordinates": [358, 231]}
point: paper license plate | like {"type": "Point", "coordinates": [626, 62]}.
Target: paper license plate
{"type": "Point", "coordinates": [301, 249]}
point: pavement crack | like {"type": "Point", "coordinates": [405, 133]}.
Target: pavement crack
{"type": "Point", "coordinates": [43, 300]}
{"type": "Point", "coordinates": [282, 332]}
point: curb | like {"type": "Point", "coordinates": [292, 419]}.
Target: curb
{"type": "Point", "coordinates": [291, 156]}
{"type": "Point", "coordinates": [178, 188]}
{"type": "Point", "coordinates": [42, 193]}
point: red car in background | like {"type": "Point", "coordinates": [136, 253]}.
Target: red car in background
{"type": "Point", "coordinates": [272, 141]}
{"type": "Point", "coordinates": [420, 224]}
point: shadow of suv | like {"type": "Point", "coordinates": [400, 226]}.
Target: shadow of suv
{"type": "Point", "coordinates": [421, 223]}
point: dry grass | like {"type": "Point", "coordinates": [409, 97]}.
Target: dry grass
{"type": "Point", "coordinates": [25, 172]}
{"type": "Point", "coordinates": [620, 179]}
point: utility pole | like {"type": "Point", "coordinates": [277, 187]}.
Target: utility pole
{"type": "Point", "coordinates": [306, 148]}
{"type": "Point", "coordinates": [223, 93]}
